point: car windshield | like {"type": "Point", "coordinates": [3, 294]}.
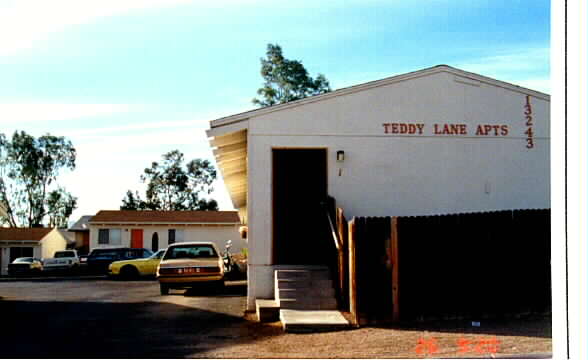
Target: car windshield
{"type": "Point", "coordinates": [137, 253]}
{"type": "Point", "coordinates": [158, 254]}
{"type": "Point", "coordinates": [23, 260]}
{"type": "Point", "coordinates": [106, 253]}
{"type": "Point", "coordinates": [190, 252]}
{"type": "Point", "coordinates": [62, 254]}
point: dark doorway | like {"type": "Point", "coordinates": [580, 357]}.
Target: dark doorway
{"type": "Point", "coordinates": [155, 242]}
{"type": "Point", "coordinates": [17, 252]}
{"type": "Point", "coordinates": [300, 223]}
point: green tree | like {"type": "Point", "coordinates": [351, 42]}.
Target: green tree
{"type": "Point", "coordinates": [60, 205]}
{"type": "Point", "coordinates": [286, 80]}
{"type": "Point", "coordinates": [29, 168]}
{"type": "Point", "coordinates": [132, 201]}
{"type": "Point", "coordinates": [173, 185]}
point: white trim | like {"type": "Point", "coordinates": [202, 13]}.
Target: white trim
{"type": "Point", "coordinates": [159, 223]}
{"type": "Point", "coordinates": [4, 243]}
{"type": "Point", "coordinates": [229, 127]}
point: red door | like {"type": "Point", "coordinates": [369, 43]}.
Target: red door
{"type": "Point", "coordinates": [137, 238]}
{"type": "Point", "coordinates": [86, 239]}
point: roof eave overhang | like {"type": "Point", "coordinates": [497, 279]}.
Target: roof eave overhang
{"type": "Point", "coordinates": [228, 141]}
{"type": "Point", "coordinates": [18, 242]}
{"type": "Point", "coordinates": [160, 223]}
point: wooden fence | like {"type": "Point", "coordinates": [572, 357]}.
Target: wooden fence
{"type": "Point", "coordinates": [453, 266]}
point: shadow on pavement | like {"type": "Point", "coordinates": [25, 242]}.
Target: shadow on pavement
{"type": "Point", "coordinates": [532, 326]}
{"type": "Point", "coordinates": [233, 288]}
{"type": "Point", "coordinates": [113, 330]}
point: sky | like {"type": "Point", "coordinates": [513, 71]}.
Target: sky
{"type": "Point", "coordinates": [129, 80]}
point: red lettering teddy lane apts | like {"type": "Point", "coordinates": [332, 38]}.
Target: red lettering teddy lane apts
{"type": "Point", "coordinates": [444, 129]}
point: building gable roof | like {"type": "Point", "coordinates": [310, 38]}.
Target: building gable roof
{"type": "Point", "coordinates": [20, 234]}
{"type": "Point", "coordinates": [166, 217]}
{"type": "Point", "coordinates": [81, 224]}
{"type": "Point", "coordinates": [233, 121]}
{"type": "Point", "coordinates": [228, 136]}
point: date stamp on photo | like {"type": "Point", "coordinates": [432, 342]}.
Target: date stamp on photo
{"type": "Point", "coordinates": [427, 346]}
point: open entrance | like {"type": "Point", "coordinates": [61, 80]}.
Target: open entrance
{"type": "Point", "coordinates": [300, 234]}
{"type": "Point", "coordinates": [17, 252]}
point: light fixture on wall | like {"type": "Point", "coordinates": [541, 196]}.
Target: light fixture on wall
{"type": "Point", "coordinates": [340, 159]}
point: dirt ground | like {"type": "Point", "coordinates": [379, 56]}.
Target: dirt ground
{"type": "Point", "coordinates": [497, 338]}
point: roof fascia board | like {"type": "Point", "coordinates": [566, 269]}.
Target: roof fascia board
{"type": "Point", "coordinates": [97, 223]}
{"type": "Point", "coordinates": [229, 127]}
{"type": "Point", "coordinates": [20, 241]}
{"type": "Point", "coordinates": [498, 83]}
{"type": "Point", "coordinates": [233, 119]}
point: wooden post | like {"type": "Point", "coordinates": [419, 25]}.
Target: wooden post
{"type": "Point", "coordinates": [394, 246]}
{"type": "Point", "coordinates": [343, 258]}
{"type": "Point", "coordinates": [352, 285]}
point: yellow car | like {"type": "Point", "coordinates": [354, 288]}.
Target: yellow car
{"type": "Point", "coordinates": [187, 264]}
{"type": "Point", "coordinates": [132, 269]}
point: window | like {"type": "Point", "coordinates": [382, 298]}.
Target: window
{"type": "Point", "coordinates": [103, 236]}
{"type": "Point", "coordinates": [137, 253]}
{"type": "Point", "coordinates": [115, 236]}
{"type": "Point", "coordinates": [109, 236]}
{"type": "Point", "coordinates": [155, 242]}
{"type": "Point", "coordinates": [64, 254]}
{"type": "Point", "coordinates": [174, 235]}
{"type": "Point", "coordinates": [158, 254]}
{"type": "Point", "coordinates": [190, 252]}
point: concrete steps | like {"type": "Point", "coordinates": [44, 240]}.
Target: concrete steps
{"type": "Point", "coordinates": [267, 310]}
{"type": "Point", "coordinates": [304, 289]}
{"type": "Point", "coordinates": [313, 320]}
{"type": "Point", "coordinates": [304, 300]}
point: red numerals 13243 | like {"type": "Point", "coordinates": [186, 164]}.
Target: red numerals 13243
{"type": "Point", "coordinates": [529, 117]}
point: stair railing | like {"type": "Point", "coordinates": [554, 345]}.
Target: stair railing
{"type": "Point", "coordinates": [337, 265]}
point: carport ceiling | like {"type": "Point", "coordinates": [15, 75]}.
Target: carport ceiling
{"type": "Point", "coordinates": [230, 152]}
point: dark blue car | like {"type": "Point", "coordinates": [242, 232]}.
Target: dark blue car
{"type": "Point", "coordinates": [99, 259]}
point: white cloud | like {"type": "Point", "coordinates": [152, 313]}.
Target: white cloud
{"type": "Point", "coordinates": [512, 60]}
{"type": "Point", "coordinates": [198, 121]}
{"type": "Point", "coordinates": [23, 23]}
{"type": "Point", "coordinates": [518, 66]}
{"type": "Point", "coordinates": [19, 113]}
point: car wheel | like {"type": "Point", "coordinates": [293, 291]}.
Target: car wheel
{"type": "Point", "coordinates": [164, 289]}
{"type": "Point", "coordinates": [129, 272]}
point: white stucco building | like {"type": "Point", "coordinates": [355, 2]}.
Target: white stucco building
{"type": "Point", "coordinates": [155, 230]}
{"type": "Point", "coordinates": [435, 141]}
{"type": "Point", "coordinates": [28, 242]}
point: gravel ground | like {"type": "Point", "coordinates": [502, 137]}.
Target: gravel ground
{"type": "Point", "coordinates": [530, 336]}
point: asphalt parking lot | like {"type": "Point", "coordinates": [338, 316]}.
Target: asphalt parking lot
{"type": "Point", "coordinates": [101, 318]}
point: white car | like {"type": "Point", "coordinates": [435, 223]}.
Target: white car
{"type": "Point", "coordinates": [62, 260]}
